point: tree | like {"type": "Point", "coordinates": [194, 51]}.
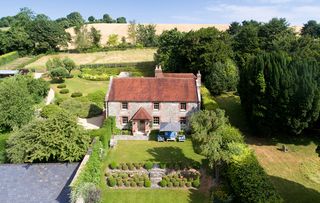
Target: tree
{"type": "Point", "coordinates": [16, 104]}
{"type": "Point", "coordinates": [58, 138]}
{"type": "Point", "coordinates": [58, 73]}
{"type": "Point", "coordinates": [82, 39]}
{"type": "Point", "coordinates": [91, 19]}
{"type": "Point", "coordinates": [107, 18]}
{"type": "Point", "coordinates": [75, 19]}
{"type": "Point", "coordinates": [95, 36]}
{"type": "Point", "coordinates": [311, 28]}
{"type": "Point", "coordinates": [69, 64]}
{"type": "Point", "coordinates": [146, 35]}
{"type": "Point", "coordinates": [222, 77]}
{"type": "Point", "coordinates": [121, 20]}
{"type": "Point", "coordinates": [113, 40]}
{"type": "Point", "coordinates": [46, 35]}
{"type": "Point", "coordinates": [234, 28]}
{"type": "Point", "coordinates": [280, 93]}
{"type": "Point", "coordinates": [132, 32]}
{"type": "Point", "coordinates": [54, 63]}
{"type": "Point", "coordinates": [38, 88]}
{"type": "Point", "coordinates": [64, 22]}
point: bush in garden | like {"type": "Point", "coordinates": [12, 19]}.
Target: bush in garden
{"type": "Point", "coordinates": [50, 110]}
{"type": "Point", "coordinates": [130, 166]}
{"type": "Point", "coordinates": [136, 165]}
{"type": "Point", "coordinates": [97, 97]}
{"type": "Point", "coordinates": [127, 183]}
{"type": "Point", "coordinates": [140, 184]}
{"type": "Point", "coordinates": [163, 183]}
{"type": "Point", "coordinates": [196, 183]}
{"type": "Point", "coordinates": [124, 175]}
{"type": "Point", "coordinates": [113, 165]}
{"type": "Point", "coordinates": [176, 184]}
{"type": "Point", "coordinates": [188, 184]}
{"type": "Point", "coordinates": [119, 183]}
{"type": "Point", "coordinates": [170, 184]}
{"type": "Point", "coordinates": [64, 91]}
{"type": "Point", "coordinates": [147, 183]}
{"type": "Point", "coordinates": [111, 182]}
{"type": "Point", "coordinates": [60, 86]}
{"type": "Point", "coordinates": [124, 167]}
{"type": "Point", "coordinates": [148, 165]}
{"type": "Point", "coordinates": [133, 184]}
{"type": "Point", "coordinates": [81, 107]}
{"type": "Point", "coordinates": [181, 183]}
{"type": "Point", "coordinates": [162, 165]}
{"type": "Point", "coordinates": [76, 94]}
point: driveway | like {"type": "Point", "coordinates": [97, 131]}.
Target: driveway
{"type": "Point", "coordinates": [36, 183]}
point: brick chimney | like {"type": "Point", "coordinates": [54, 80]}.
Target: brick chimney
{"type": "Point", "coordinates": [198, 84]}
{"type": "Point", "coordinates": [158, 72]}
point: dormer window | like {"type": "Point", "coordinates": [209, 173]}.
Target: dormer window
{"type": "Point", "coordinates": [183, 106]}
{"type": "Point", "coordinates": [124, 105]}
{"type": "Point", "coordinates": [156, 106]}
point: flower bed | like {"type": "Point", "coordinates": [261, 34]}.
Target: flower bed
{"type": "Point", "coordinates": [186, 178]}
{"type": "Point", "coordinates": [121, 179]}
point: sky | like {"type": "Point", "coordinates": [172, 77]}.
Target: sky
{"type": "Point", "coordinates": [296, 12]}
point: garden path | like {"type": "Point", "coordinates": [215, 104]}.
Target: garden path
{"type": "Point", "coordinates": [91, 123]}
{"type": "Point", "coordinates": [50, 97]}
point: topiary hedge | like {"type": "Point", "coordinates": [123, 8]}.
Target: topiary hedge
{"type": "Point", "coordinates": [148, 165]}
{"type": "Point", "coordinates": [60, 86]}
{"type": "Point", "coordinates": [76, 94]}
{"type": "Point", "coordinates": [64, 91]}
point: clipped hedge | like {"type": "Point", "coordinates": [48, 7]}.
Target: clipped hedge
{"type": "Point", "coordinates": [249, 181]}
{"type": "Point", "coordinates": [60, 86]}
{"type": "Point", "coordinates": [50, 110]}
{"type": "Point", "coordinates": [6, 58]}
{"type": "Point", "coordinates": [64, 91]}
{"type": "Point", "coordinates": [208, 102]}
{"type": "Point", "coordinates": [76, 94]}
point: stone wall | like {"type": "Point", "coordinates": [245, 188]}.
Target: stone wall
{"type": "Point", "coordinates": [169, 111]}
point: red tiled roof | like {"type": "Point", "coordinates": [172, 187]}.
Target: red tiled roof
{"type": "Point", "coordinates": [179, 75]}
{"type": "Point", "coordinates": [141, 114]}
{"type": "Point", "coordinates": [153, 90]}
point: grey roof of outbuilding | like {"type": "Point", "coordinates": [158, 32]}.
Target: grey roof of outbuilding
{"type": "Point", "coordinates": [36, 183]}
{"type": "Point", "coordinates": [170, 126]}
{"type": "Point", "coordinates": [8, 72]}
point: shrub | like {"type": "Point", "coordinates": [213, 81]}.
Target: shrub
{"type": "Point", "coordinates": [181, 183]}
{"type": "Point", "coordinates": [97, 97]}
{"type": "Point", "coordinates": [208, 100]}
{"type": "Point", "coordinates": [58, 73]}
{"type": "Point", "coordinates": [50, 110]}
{"type": "Point", "coordinates": [64, 91]}
{"type": "Point", "coordinates": [76, 94]}
{"type": "Point", "coordinates": [130, 166]}
{"type": "Point", "coordinates": [126, 183]}
{"type": "Point", "coordinates": [196, 183]}
{"type": "Point", "coordinates": [124, 175]}
{"type": "Point", "coordinates": [188, 184]}
{"type": "Point", "coordinates": [170, 184]}
{"type": "Point", "coordinates": [111, 182]}
{"type": "Point", "coordinates": [140, 184]}
{"type": "Point", "coordinates": [137, 165]}
{"type": "Point", "coordinates": [133, 184]}
{"type": "Point", "coordinates": [163, 183]}
{"type": "Point", "coordinates": [60, 86]}
{"type": "Point", "coordinates": [124, 167]}
{"type": "Point", "coordinates": [176, 184]}
{"type": "Point", "coordinates": [119, 183]}
{"type": "Point", "coordinates": [147, 183]}
{"type": "Point", "coordinates": [162, 165]}
{"type": "Point", "coordinates": [113, 165]}
{"type": "Point", "coordinates": [148, 165]}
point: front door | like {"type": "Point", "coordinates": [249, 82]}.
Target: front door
{"type": "Point", "coordinates": [141, 126]}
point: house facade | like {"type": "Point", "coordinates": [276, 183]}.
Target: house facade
{"type": "Point", "coordinates": [141, 104]}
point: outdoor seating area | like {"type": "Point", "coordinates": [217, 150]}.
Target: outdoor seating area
{"type": "Point", "coordinates": [170, 131]}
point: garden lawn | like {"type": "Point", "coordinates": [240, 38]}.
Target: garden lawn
{"type": "Point", "coordinates": [296, 173]}
{"type": "Point", "coordinates": [3, 139]}
{"type": "Point", "coordinates": [153, 196]}
{"type": "Point", "coordinates": [81, 85]}
{"type": "Point", "coordinates": [142, 151]}
{"type": "Point", "coordinates": [126, 56]}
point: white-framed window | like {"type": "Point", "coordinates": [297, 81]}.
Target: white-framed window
{"type": "Point", "coordinates": [124, 105]}
{"type": "Point", "coordinates": [183, 120]}
{"type": "Point", "coordinates": [156, 120]}
{"type": "Point", "coordinates": [124, 120]}
{"type": "Point", "coordinates": [156, 106]}
{"type": "Point", "coordinates": [183, 106]}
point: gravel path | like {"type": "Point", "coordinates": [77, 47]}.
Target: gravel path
{"type": "Point", "coordinates": [50, 97]}
{"type": "Point", "coordinates": [91, 123]}
{"type": "Point", "coordinates": [37, 75]}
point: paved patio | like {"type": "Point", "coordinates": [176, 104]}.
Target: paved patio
{"type": "Point", "coordinates": [36, 183]}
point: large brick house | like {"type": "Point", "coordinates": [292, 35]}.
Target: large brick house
{"type": "Point", "coordinates": [142, 103]}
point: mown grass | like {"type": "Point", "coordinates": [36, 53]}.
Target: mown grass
{"type": "Point", "coordinates": [153, 196]}
{"type": "Point", "coordinates": [296, 173]}
{"type": "Point", "coordinates": [3, 139]}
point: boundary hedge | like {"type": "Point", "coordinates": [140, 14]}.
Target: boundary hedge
{"type": "Point", "coordinates": [207, 99]}
{"type": "Point", "coordinates": [6, 58]}
{"type": "Point", "coordinates": [117, 65]}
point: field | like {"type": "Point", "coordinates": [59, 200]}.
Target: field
{"type": "Point", "coordinates": [15, 63]}
{"type": "Point", "coordinates": [296, 173]}
{"type": "Point", "coordinates": [126, 56]}
{"type": "Point", "coordinates": [142, 151]}
{"type": "Point", "coordinates": [3, 138]}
